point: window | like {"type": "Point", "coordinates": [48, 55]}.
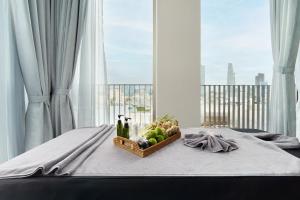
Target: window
{"type": "Point", "coordinates": [236, 32]}
{"type": "Point", "coordinates": [128, 39]}
{"type": "Point", "coordinates": [236, 63]}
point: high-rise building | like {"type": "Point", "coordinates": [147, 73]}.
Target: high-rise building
{"type": "Point", "coordinates": [202, 75]}
{"type": "Point", "coordinates": [260, 79]}
{"type": "Point", "coordinates": [230, 75]}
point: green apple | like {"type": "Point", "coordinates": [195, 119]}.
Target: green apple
{"type": "Point", "coordinates": [150, 134]}
{"type": "Point", "coordinates": [152, 141]}
{"type": "Point", "coordinates": [158, 131]}
{"type": "Point", "coordinates": [160, 138]}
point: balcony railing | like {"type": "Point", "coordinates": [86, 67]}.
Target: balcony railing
{"type": "Point", "coordinates": [235, 106]}
{"type": "Point", "coordinates": [131, 100]}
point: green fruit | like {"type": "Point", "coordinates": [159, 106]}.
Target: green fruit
{"type": "Point", "coordinates": [158, 131]}
{"type": "Point", "coordinates": [151, 134]}
{"type": "Point", "coordinates": [160, 138]}
{"type": "Point", "coordinates": [152, 141]}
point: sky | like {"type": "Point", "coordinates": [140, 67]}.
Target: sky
{"type": "Point", "coordinates": [128, 39]}
{"type": "Point", "coordinates": [236, 31]}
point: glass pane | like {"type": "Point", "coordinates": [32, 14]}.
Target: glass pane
{"type": "Point", "coordinates": [128, 33]}
{"type": "Point", "coordinates": [236, 52]}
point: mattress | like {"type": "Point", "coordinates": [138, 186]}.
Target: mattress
{"type": "Point", "coordinates": [91, 152]}
{"type": "Point", "coordinates": [253, 158]}
{"type": "Point", "coordinates": [111, 173]}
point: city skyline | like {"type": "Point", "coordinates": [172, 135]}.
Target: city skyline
{"type": "Point", "coordinates": [230, 75]}
{"type": "Point", "coordinates": [260, 79]}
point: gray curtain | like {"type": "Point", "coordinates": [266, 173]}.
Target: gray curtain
{"type": "Point", "coordinates": [47, 36]}
{"type": "Point", "coordinates": [67, 25]}
{"type": "Point", "coordinates": [285, 32]}
{"type": "Point", "coordinates": [31, 21]}
{"type": "Point", "coordinates": [12, 109]}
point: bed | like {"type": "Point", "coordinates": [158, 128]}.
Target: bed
{"type": "Point", "coordinates": [190, 173]}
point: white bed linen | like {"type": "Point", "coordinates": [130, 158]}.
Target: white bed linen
{"type": "Point", "coordinates": [253, 158]}
{"type": "Point", "coordinates": [91, 152]}
{"type": "Point", "coordinates": [59, 156]}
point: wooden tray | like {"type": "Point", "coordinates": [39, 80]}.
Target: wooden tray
{"type": "Point", "coordinates": [134, 148]}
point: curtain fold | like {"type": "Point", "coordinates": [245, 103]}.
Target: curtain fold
{"type": "Point", "coordinates": [31, 21]}
{"type": "Point", "coordinates": [67, 25]}
{"type": "Point", "coordinates": [39, 46]}
{"type": "Point", "coordinates": [297, 77]}
{"type": "Point", "coordinates": [285, 34]}
{"type": "Point", "coordinates": [89, 93]}
{"type": "Point", "coordinates": [12, 111]}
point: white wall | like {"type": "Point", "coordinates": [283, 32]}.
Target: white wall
{"type": "Point", "coordinates": [177, 60]}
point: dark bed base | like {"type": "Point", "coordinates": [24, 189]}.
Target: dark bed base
{"type": "Point", "coordinates": [144, 188]}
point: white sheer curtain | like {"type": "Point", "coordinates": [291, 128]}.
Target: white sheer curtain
{"type": "Point", "coordinates": [297, 77]}
{"type": "Point", "coordinates": [89, 93]}
{"type": "Point", "coordinates": [285, 32]}
{"type": "Point", "coordinates": [12, 111]}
